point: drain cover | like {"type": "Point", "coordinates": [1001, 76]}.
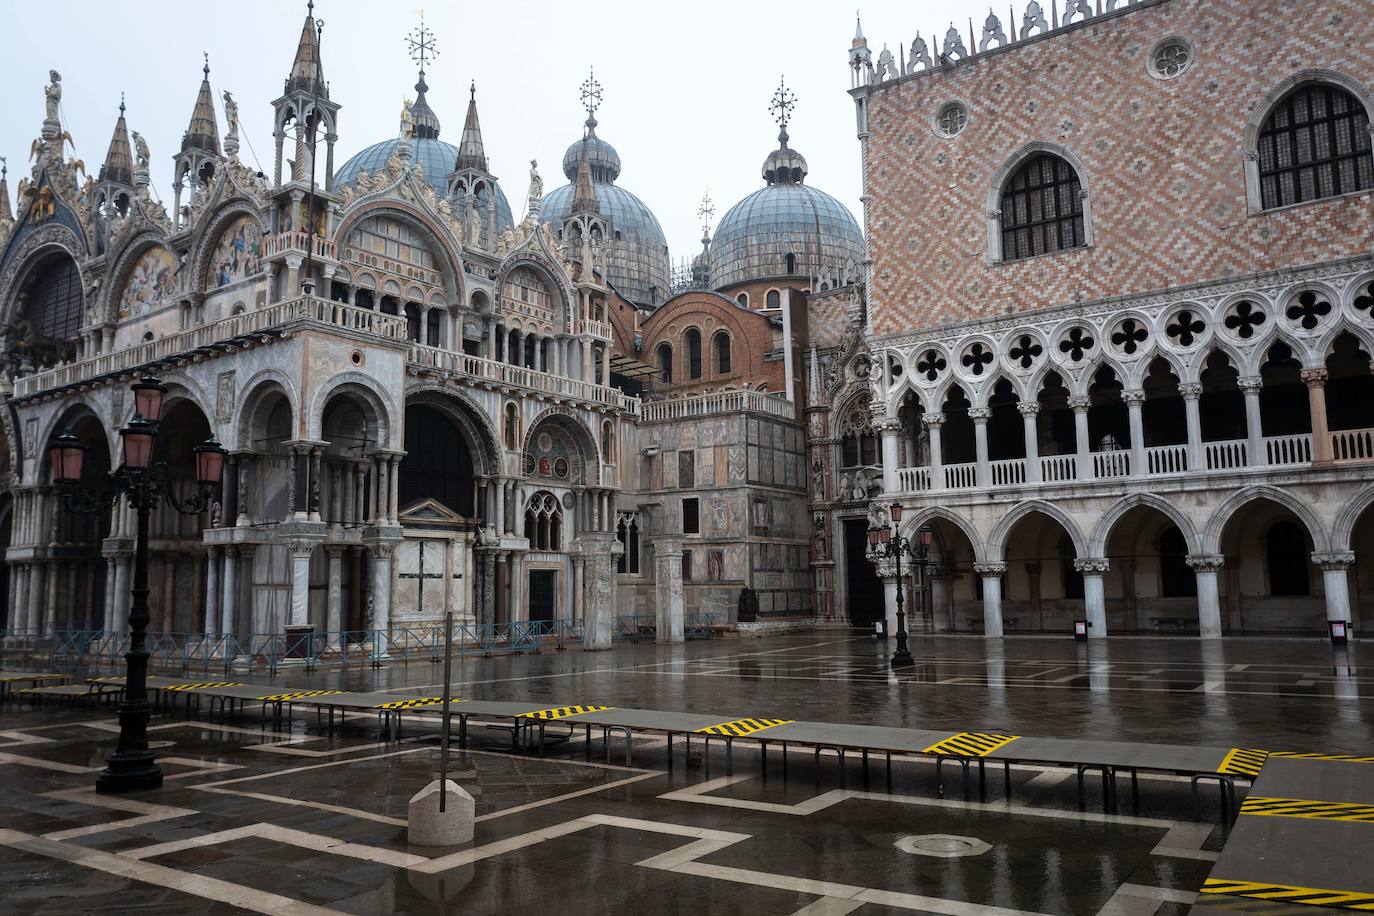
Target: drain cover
{"type": "Point", "coordinates": [942, 845]}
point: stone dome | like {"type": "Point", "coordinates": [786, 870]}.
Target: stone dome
{"type": "Point", "coordinates": [787, 217]}
{"type": "Point", "coordinates": [438, 159]}
{"type": "Point", "coordinates": [638, 261]}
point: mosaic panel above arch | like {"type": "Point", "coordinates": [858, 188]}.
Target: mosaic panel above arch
{"type": "Point", "coordinates": [237, 255]}
{"type": "Point", "coordinates": [152, 280]}
{"type": "Point", "coordinates": [552, 456]}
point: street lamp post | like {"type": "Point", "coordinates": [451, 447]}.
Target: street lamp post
{"type": "Point", "coordinates": [887, 543]}
{"type": "Point", "coordinates": [132, 767]}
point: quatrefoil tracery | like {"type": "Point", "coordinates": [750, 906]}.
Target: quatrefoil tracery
{"type": "Point", "coordinates": [1309, 310]}
{"type": "Point", "coordinates": [1025, 351]}
{"type": "Point", "coordinates": [1245, 319]}
{"type": "Point", "coordinates": [977, 358]}
{"type": "Point", "coordinates": [1364, 302]}
{"type": "Point", "coordinates": [1076, 344]}
{"type": "Point", "coordinates": [931, 364]}
{"type": "Point", "coordinates": [1186, 328]}
{"type": "Point", "coordinates": [1129, 335]}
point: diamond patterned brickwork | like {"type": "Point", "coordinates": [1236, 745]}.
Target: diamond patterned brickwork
{"type": "Point", "coordinates": [1163, 160]}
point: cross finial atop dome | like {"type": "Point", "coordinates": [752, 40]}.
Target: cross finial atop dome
{"type": "Point", "coordinates": [422, 43]}
{"type": "Point", "coordinates": [705, 211]}
{"type": "Point", "coordinates": [423, 48]}
{"type": "Point", "coordinates": [784, 100]}
{"type": "Point", "coordinates": [591, 96]}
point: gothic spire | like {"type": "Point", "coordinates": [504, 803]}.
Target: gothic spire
{"type": "Point", "coordinates": [119, 160]}
{"type": "Point", "coordinates": [584, 195]}
{"type": "Point", "coordinates": [5, 213]}
{"type": "Point", "coordinates": [471, 153]}
{"type": "Point", "coordinates": [307, 71]}
{"type": "Point", "coordinates": [203, 131]}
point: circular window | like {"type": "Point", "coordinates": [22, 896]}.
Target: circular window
{"type": "Point", "coordinates": [951, 120]}
{"type": "Point", "coordinates": [358, 358]}
{"type": "Point", "coordinates": [1170, 58]}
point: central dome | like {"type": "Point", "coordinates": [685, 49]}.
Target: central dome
{"type": "Point", "coordinates": [438, 160]}
{"type": "Point", "coordinates": [638, 260]}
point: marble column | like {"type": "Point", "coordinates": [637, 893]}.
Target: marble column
{"type": "Point", "coordinates": [1082, 447]}
{"type": "Point", "coordinates": [1191, 392]}
{"type": "Point", "coordinates": [381, 586]}
{"type": "Point", "coordinates": [229, 602]}
{"type": "Point", "coordinates": [890, 431]}
{"type": "Point", "coordinates": [300, 581]}
{"type": "Point", "coordinates": [1205, 567]}
{"type": "Point", "coordinates": [668, 589]}
{"type": "Point", "coordinates": [932, 423]}
{"type": "Point", "coordinates": [488, 588]}
{"type": "Point", "coordinates": [991, 574]}
{"type": "Point", "coordinates": [1316, 404]}
{"type": "Point", "coordinates": [394, 479]}
{"type": "Point", "coordinates": [212, 591]}
{"type": "Point", "coordinates": [1030, 410]}
{"type": "Point", "coordinates": [39, 608]}
{"type": "Point", "coordinates": [1093, 570]}
{"type": "Point", "coordinates": [515, 578]}
{"type": "Point", "coordinates": [980, 417]}
{"type": "Point", "coordinates": [111, 561]}
{"type": "Point", "coordinates": [1334, 565]}
{"type": "Point", "coordinates": [1254, 432]}
{"type": "Point", "coordinates": [1135, 400]}
{"type": "Point", "coordinates": [334, 600]}
{"type": "Point", "coordinates": [123, 569]}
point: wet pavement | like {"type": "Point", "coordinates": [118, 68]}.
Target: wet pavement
{"type": "Point", "coordinates": [252, 820]}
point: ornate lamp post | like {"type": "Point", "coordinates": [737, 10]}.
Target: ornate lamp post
{"type": "Point", "coordinates": [887, 543]}
{"type": "Point", "coordinates": [144, 481]}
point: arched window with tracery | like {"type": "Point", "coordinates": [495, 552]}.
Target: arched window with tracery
{"type": "Point", "coordinates": [544, 521]}
{"type": "Point", "coordinates": [858, 441]}
{"type": "Point", "coordinates": [1042, 208]}
{"type": "Point", "coordinates": [627, 532]}
{"type": "Point", "coordinates": [608, 442]}
{"type": "Point", "coordinates": [1314, 144]}
{"type": "Point", "coordinates": [665, 363]}
{"type": "Point", "coordinates": [54, 305]}
{"type": "Point", "coordinates": [721, 344]}
{"type": "Point", "coordinates": [692, 341]}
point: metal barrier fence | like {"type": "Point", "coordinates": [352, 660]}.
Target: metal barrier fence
{"type": "Point", "coordinates": [190, 651]}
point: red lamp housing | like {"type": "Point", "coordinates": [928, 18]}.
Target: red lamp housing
{"type": "Point", "coordinates": [872, 537]}
{"type": "Point", "coordinates": [884, 534]}
{"type": "Point", "coordinates": [148, 393]}
{"type": "Point", "coordinates": [896, 510]}
{"type": "Point", "coordinates": [927, 536]}
{"type": "Point", "coordinates": [209, 462]}
{"type": "Point", "coordinates": [66, 455]}
{"type": "Point", "coordinates": [138, 439]}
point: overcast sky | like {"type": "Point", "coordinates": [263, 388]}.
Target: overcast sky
{"type": "Point", "coordinates": [686, 86]}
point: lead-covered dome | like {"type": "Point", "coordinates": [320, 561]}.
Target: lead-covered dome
{"type": "Point", "coordinates": [638, 259]}
{"type": "Point", "coordinates": [786, 228]}
{"type": "Point", "coordinates": [438, 159]}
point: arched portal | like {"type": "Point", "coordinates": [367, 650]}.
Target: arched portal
{"type": "Point", "coordinates": [438, 463]}
{"type": "Point", "coordinates": [1268, 584]}
{"type": "Point", "coordinates": [68, 590]}
{"type": "Point", "coordinates": [1147, 549]}
{"type": "Point", "coordinates": [176, 562]}
{"type": "Point", "coordinates": [1041, 587]}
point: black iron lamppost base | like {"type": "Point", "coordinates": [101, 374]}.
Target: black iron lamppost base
{"type": "Point", "coordinates": [135, 772]}
{"type": "Point", "coordinates": [903, 661]}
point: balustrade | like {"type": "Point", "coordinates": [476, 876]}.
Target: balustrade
{"type": "Point", "coordinates": [913, 480]}
{"type": "Point", "coordinates": [1166, 459]}
{"type": "Point", "coordinates": [518, 376]}
{"type": "Point", "coordinates": [1111, 464]}
{"type": "Point", "coordinates": [719, 402]}
{"type": "Point", "coordinates": [298, 241]}
{"type": "Point", "coordinates": [961, 476]}
{"type": "Point", "coordinates": [1280, 451]}
{"type": "Point", "coordinates": [1352, 445]}
{"type": "Point", "coordinates": [1226, 455]}
{"type": "Point", "coordinates": [1058, 468]}
{"type": "Point", "coordinates": [1009, 472]}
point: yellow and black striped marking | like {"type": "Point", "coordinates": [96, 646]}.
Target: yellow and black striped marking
{"type": "Point", "coordinates": [560, 712]}
{"type": "Point", "coordinates": [1288, 893]}
{"type": "Point", "coordinates": [417, 703]}
{"type": "Point", "coordinates": [740, 728]}
{"type": "Point", "coordinates": [1337, 758]}
{"type": "Point", "coordinates": [204, 685]}
{"type": "Point", "coordinates": [1243, 761]}
{"type": "Point", "coordinates": [1302, 807]}
{"type": "Point", "coordinates": [970, 744]}
{"type": "Point", "coordinates": [299, 695]}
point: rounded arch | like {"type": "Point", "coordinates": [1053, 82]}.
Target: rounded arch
{"type": "Point", "coordinates": [1097, 541]}
{"type": "Point", "coordinates": [125, 259]}
{"type": "Point", "coordinates": [259, 389]}
{"type": "Point", "coordinates": [472, 420]}
{"type": "Point", "coordinates": [992, 203]}
{"type": "Point", "coordinates": [73, 411]}
{"type": "Point", "coordinates": [1261, 110]}
{"type": "Point", "coordinates": [577, 433]}
{"type": "Point", "coordinates": [445, 250]}
{"type": "Point", "coordinates": [47, 240]}
{"type": "Point", "coordinates": [997, 540]}
{"type": "Point", "coordinates": [213, 226]}
{"type": "Point", "coordinates": [915, 519]}
{"type": "Point", "coordinates": [381, 424]}
{"type": "Point", "coordinates": [554, 279]}
{"type": "Point", "coordinates": [1216, 524]}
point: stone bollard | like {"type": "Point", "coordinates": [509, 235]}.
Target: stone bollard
{"type": "Point", "coordinates": [428, 826]}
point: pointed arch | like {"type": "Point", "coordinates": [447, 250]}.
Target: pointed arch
{"type": "Point", "coordinates": [1216, 524]}
{"type": "Point", "coordinates": [997, 540]}
{"type": "Point", "coordinates": [916, 518]}
{"type": "Point", "coordinates": [1097, 541]}
{"type": "Point", "coordinates": [1344, 526]}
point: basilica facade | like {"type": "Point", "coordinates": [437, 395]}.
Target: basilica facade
{"type": "Point", "coordinates": [429, 406]}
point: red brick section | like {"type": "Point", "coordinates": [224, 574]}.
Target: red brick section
{"type": "Point", "coordinates": [752, 336]}
{"type": "Point", "coordinates": [1163, 160]}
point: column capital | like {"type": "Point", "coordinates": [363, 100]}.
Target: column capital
{"type": "Point", "coordinates": [979, 414]}
{"type": "Point", "coordinates": [990, 569]}
{"type": "Point", "coordinates": [1205, 562]}
{"type": "Point", "coordinates": [1190, 391]}
{"type": "Point", "coordinates": [1029, 408]}
{"type": "Point", "coordinates": [1133, 397]}
{"type": "Point", "coordinates": [1092, 566]}
{"type": "Point", "coordinates": [1315, 378]}
{"type": "Point", "coordinates": [1250, 383]}
{"type": "Point", "coordinates": [1333, 560]}
{"type": "Point", "coordinates": [932, 420]}
{"type": "Point", "coordinates": [301, 546]}
{"type": "Point", "coordinates": [1080, 402]}
{"type": "Point", "coordinates": [887, 426]}
{"type": "Point", "coordinates": [335, 551]}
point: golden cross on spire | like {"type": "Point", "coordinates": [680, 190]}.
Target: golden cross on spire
{"type": "Point", "coordinates": [591, 93]}
{"type": "Point", "coordinates": [421, 43]}
{"type": "Point", "coordinates": [706, 210]}
{"type": "Point", "coordinates": [784, 100]}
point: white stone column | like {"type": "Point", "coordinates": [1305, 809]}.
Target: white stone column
{"type": "Point", "coordinates": [1191, 392]}
{"type": "Point", "coordinates": [1335, 582]}
{"type": "Point", "coordinates": [381, 586]}
{"type": "Point", "coordinates": [1316, 405]}
{"type": "Point", "coordinates": [334, 599]}
{"type": "Point", "coordinates": [110, 566]}
{"type": "Point", "coordinates": [1094, 594]}
{"type": "Point", "coordinates": [1081, 446]}
{"type": "Point", "coordinates": [212, 591]}
{"type": "Point", "coordinates": [889, 431]}
{"type": "Point", "coordinates": [1205, 567]}
{"type": "Point", "coordinates": [515, 570]}
{"type": "Point", "coordinates": [300, 581]}
{"type": "Point", "coordinates": [980, 417]}
{"type": "Point", "coordinates": [1135, 400]}
{"type": "Point", "coordinates": [991, 574]}
{"type": "Point", "coordinates": [1030, 410]}
{"type": "Point", "coordinates": [932, 423]}
{"type": "Point", "coordinates": [394, 478]}
{"type": "Point", "coordinates": [1254, 432]}
{"type": "Point", "coordinates": [229, 604]}
{"type": "Point", "coordinates": [668, 589]}
{"type": "Point", "coordinates": [123, 569]}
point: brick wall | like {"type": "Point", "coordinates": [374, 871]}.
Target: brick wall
{"type": "Point", "coordinates": [1163, 159]}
